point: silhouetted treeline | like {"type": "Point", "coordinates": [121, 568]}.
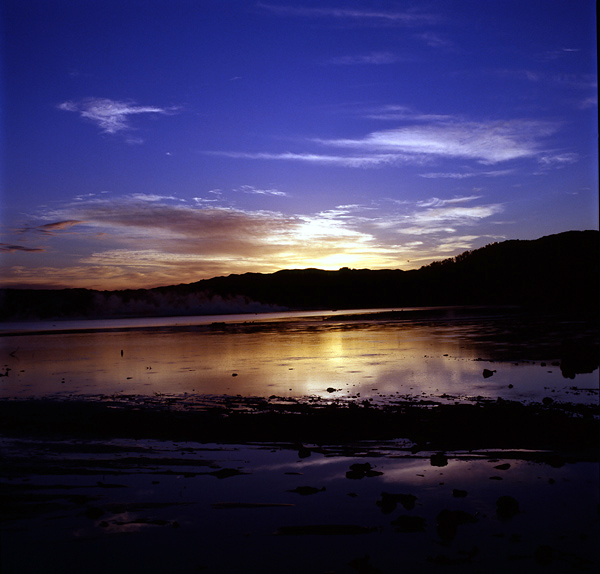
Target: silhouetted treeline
{"type": "Point", "coordinates": [559, 272]}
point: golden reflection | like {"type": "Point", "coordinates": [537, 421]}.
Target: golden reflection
{"type": "Point", "coordinates": [295, 359]}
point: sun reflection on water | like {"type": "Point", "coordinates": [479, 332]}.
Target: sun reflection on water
{"type": "Point", "coordinates": [331, 360]}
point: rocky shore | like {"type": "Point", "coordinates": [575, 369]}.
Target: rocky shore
{"type": "Point", "coordinates": [231, 484]}
{"type": "Point", "coordinates": [547, 425]}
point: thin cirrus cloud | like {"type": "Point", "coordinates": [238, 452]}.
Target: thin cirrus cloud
{"type": "Point", "coordinates": [45, 230]}
{"type": "Point", "coordinates": [356, 161]}
{"type": "Point", "coordinates": [251, 190]}
{"type": "Point", "coordinates": [360, 16]}
{"type": "Point", "coordinates": [393, 112]}
{"type": "Point", "coordinates": [465, 175]}
{"type": "Point", "coordinates": [437, 202]}
{"type": "Point", "coordinates": [457, 215]}
{"type": "Point", "coordinates": [51, 228]}
{"type": "Point", "coordinates": [8, 248]}
{"type": "Point", "coordinates": [427, 139]}
{"type": "Point", "coordinates": [58, 225]}
{"type": "Point", "coordinates": [439, 217]}
{"type": "Point", "coordinates": [111, 116]}
{"type": "Point", "coordinates": [434, 40]}
{"type": "Point", "coordinates": [376, 58]}
{"type": "Point", "coordinates": [485, 142]}
{"type": "Point", "coordinates": [559, 159]}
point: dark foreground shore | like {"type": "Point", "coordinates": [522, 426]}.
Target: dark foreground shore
{"type": "Point", "coordinates": [234, 484]}
{"type": "Point", "coordinates": [482, 423]}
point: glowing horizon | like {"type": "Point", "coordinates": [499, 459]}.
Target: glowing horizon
{"type": "Point", "coordinates": [381, 139]}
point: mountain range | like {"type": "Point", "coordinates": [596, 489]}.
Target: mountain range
{"type": "Point", "coordinates": [556, 272]}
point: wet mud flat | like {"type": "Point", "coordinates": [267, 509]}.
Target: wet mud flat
{"type": "Point", "coordinates": [234, 484]}
{"type": "Point", "coordinates": [436, 424]}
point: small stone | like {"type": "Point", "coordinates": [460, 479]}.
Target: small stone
{"type": "Point", "coordinates": [457, 493]}
{"type": "Point", "coordinates": [303, 452]}
{"type": "Point", "coordinates": [360, 470]}
{"type": "Point", "coordinates": [306, 490]}
{"type": "Point", "coordinates": [389, 501]}
{"type": "Point", "coordinates": [225, 473]}
{"type": "Point", "coordinates": [506, 507]}
{"type": "Point", "coordinates": [448, 521]}
{"type": "Point", "coordinates": [438, 459]}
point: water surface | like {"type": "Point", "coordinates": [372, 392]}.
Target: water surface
{"type": "Point", "coordinates": [293, 355]}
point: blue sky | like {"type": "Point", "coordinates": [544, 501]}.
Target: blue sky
{"type": "Point", "coordinates": [157, 142]}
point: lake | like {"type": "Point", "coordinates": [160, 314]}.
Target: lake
{"type": "Point", "coordinates": [429, 354]}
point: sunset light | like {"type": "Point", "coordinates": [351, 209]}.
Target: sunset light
{"type": "Point", "coordinates": [202, 139]}
{"type": "Point", "coordinates": [299, 286]}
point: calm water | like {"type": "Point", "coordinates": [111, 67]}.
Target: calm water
{"type": "Point", "coordinates": [288, 355]}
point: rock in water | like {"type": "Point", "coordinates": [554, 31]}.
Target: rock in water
{"type": "Point", "coordinates": [506, 507]}
{"type": "Point", "coordinates": [438, 459]}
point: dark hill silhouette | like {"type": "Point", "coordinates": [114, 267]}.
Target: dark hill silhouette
{"type": "Point", "coordinates": [559, 272]}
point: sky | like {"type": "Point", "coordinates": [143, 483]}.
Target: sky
{"type": "Point", "coordinates": [159, 142]}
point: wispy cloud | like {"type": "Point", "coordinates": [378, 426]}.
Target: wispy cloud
{"type": "Point", "coordinates": [8, 248]}
{"type": "Point", "coordinates": [589, 102]}
{"type": "Point", "coordinates": [466, 175]}
{"type": "Point", "coordinates": [437, 202]}
{"type": "Point", "coordinates": [50, 228]}
{"type": "Point", "coordinates": [250, 189]}
{"type": "Point", "coordinates": [154, 197]}
{"type": "Point", "coordinates": [44, 233]}
{"type": "Point", "coordinates": [577, 81]}
{"type": "Point", "coordinates": [457, 215]}
{"type": "Point", "coordinates": [558, 159]}
{"type": "Point", "coordinates": [394, 112]}
{"type": "Point", "coordinates": [376, 58]}
{"type": "Point", "coordinates": [111, 116]}
{"type": "Point", "coordinates": [426, 139]}
{"type": "Point", "coordinates": [370, 160]}
{"type": "Point", "coordinates": [364, 17]}
{"type": "Point", "coordinates": [457, 244]}
{"type": "Point", "coordinates": [558, 54]}
{"type": "Point", "coordinates": [486, 142]}
{"type": "Point", "coordinates": [438, 217]}
{"type": "Point", "coordinates": [59, 225]}
{"type": "Point", "coordinates": [434, 40]}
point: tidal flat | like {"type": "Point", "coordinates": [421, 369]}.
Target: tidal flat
{"type": "Point", "coordinates": [421, 441]}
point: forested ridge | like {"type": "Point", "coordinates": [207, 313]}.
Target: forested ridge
{"type": "Point", "coordinates": [556, 271]}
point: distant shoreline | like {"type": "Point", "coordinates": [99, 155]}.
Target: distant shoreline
{"type": "Point", "coordinates": [446, 312]}
{"type": "Point", "coordinates": [556, 271]}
